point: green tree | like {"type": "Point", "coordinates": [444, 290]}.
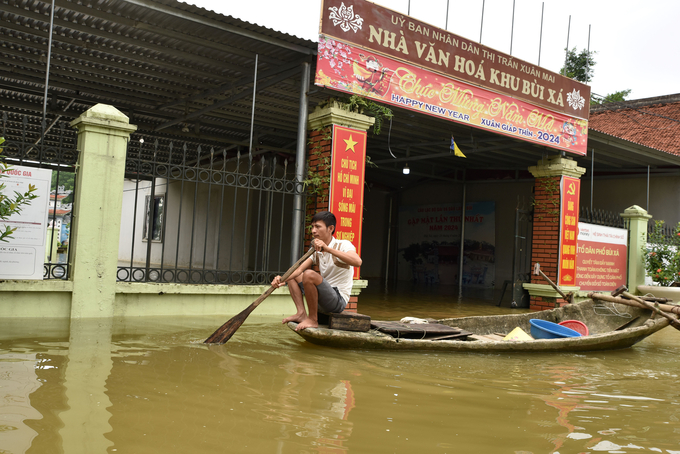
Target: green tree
{"type": "Point", "coordinates": [10, 205]}
{"type": "Point", "coordinates": [617, 96]}
{"type": "Point", "coordinates": [662, 258]}
{"type": "Point", "coordinates": [579, 65]}
{"type": "Point", "coordinates": [67, 180]}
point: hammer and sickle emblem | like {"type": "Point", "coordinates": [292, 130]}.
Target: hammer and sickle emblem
{"type": "Point", "coordinates": [572, 189]}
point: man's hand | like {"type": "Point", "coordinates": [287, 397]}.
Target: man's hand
{"type": "Point", "coordinates": [276, 282]}
{"type": "Point", "coordinates": [318, 245]}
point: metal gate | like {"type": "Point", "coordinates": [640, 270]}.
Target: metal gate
{"type": "Point", "coordinates": [521, 257]}
{"type": "Point", "coordinates": [204, 215]}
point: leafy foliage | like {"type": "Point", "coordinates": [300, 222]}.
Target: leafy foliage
{"type": "Point", "coordinates": [662, 259]}
{"type": "Point", "coordinates": [363, 106]}
{"type": "Point", "coordinates": [67, 180]}
{"type": "Point", "coordinates": [617, 96]}
{"type": "Point", "coordinates": [579, 65]}
{"type": "Point", "coordinates": [11, 205]}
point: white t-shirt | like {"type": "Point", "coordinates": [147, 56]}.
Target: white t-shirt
{"type": "Point", "coordinates": [336, 272]}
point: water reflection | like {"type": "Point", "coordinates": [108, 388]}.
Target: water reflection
{"type": "Point", "coordinates": [298, 384]}
{"type": "Point", "coordinates": [146, 386]}
{"type": "Point", "coordinates": [18, 381]}
{"type": "Point", "coordinates": [86, 422]}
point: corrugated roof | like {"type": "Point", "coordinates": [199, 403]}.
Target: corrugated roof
{"type": "Point", "coordinates": [157, 61]}
{"type": "Point", "coordinates": [185, 74]}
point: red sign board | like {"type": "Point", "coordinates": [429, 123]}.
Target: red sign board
{"type": "Point", "coordinates": [346, 68]}
{"type": "Point", "coordinates": [388, 32]}
{"type": "Point", "coordinates": [347, 184]}
{"type": "Point", "coordinates": [601, 257]}
{"type": "Point", "coordinates": [570, 191]}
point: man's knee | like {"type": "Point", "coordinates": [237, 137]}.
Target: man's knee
{"type": "Point", "coordinates": [312, 277]}
{"type": "Point", "coordinates": [293, 280]}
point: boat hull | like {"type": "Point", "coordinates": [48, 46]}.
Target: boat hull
{"type": "Point", "coordinates": [602, 326]}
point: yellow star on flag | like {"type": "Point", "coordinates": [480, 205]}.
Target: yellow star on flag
{"type": "Point", "coordinates": [350, 143]}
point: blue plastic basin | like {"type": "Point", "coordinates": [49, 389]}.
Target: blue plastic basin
{"type": "Point", "coordinates": [543, 329]}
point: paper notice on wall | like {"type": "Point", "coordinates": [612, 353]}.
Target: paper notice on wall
{"type": "Point", "coordinates": [21, 257]}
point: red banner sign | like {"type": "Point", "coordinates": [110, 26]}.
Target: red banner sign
{"type": "Point", "coordinates": [348, 164]}
{"type": "Point", "coordinates": [391, 33]}
{"type": "Point", "coordinates": [570, 191]}
{"type": "Point", "coordinates": [601, 257]}
{"type": "Point", "coordinates": [349, 69]}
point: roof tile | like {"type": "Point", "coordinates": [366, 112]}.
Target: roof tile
{"type": "Point", "coordinates": [655, 124]}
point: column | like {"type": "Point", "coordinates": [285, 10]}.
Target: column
{"type": "Point", "coordinates": [319, 156]}
{"type": "Point", "coordinates": [637, 219]}
{"type": "Point", "coordinates": [547, 227]}
{"type": "Point", "coordinates": [103, 134]}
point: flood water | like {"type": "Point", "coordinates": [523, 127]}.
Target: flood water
{"type": "Point", "coordinates": [148, 386]}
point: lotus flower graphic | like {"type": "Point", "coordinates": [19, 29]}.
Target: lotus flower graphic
{"type": "Point", "coordinates": [345, 17]}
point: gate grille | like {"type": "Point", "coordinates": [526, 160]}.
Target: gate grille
{"type": "Point", "coordinates": [217, 217]}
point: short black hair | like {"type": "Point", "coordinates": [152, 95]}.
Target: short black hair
{"type": "Point", "coordinates": [326, 217]}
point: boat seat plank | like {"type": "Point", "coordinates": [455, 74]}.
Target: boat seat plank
{"type": "Point", "coordinates": [430, 331]}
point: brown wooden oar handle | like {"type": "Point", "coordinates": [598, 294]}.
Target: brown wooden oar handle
{"type": "Point", "coordinates": [224, 332]}
{"type": "Point", "coordinates": [297, 264]}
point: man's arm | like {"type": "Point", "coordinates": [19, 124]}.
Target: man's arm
{"type": "Point", "coordinates": [305, 265]}
{"type": "Point", "coordinates": [351, 257]}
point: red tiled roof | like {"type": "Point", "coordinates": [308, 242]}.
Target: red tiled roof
{"type": "Point", "coordinates": [652, 122]}
{"type": "Point", "coordinates": [59, 212]}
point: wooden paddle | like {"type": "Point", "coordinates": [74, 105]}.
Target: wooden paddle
{"type": "Point", "coordinates": [224, 332]}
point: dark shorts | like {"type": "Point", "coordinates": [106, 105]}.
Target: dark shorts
{"type": "Point", "coordinates": [330, 300]}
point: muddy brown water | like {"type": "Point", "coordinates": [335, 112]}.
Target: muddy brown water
{"type": "Point", "coordinates": [149, 386]}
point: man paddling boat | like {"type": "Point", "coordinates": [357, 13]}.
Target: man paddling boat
{"type": "Point", "coordinates": [329, 291]}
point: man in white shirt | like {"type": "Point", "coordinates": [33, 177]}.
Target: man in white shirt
{"type": "Point", "coordinates": [329, 291]}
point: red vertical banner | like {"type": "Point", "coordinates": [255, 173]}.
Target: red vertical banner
{"type": "Point", "coordinates": [570, 191]}
{"type": "Point", "coordinates": [348, 164]}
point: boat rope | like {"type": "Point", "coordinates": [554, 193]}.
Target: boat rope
{"type": "Point", "coordinates": [610, 310]}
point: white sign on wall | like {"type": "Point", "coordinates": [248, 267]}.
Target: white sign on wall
{"type": "Point", "coordinates": [22, 256]}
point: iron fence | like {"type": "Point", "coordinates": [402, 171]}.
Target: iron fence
{"type": "Point", "coordinates": [658, 232]}
{"type": "Point", "coordinates": [32, 142]}
{"type": "Point", "coordinates": [204, 215]}
{"type": "Point", "coordinates": [601, 217]}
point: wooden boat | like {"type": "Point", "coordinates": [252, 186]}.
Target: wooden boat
{"type": "Point", "coordinates": [610, 326]}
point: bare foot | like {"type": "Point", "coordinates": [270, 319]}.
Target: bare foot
{"type": "Point", "coordinates": [307, 323]}
{"type": "Point", "coordinates": [297, 318]}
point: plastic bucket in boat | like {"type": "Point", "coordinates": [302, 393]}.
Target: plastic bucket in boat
{"type": "Point", "coordinates": [577, 326]}
{"type": "Point", "coordinates": [543, 329]}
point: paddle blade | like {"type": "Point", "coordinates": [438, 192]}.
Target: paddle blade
{"type": "Point", "coordinates": [224, 332]}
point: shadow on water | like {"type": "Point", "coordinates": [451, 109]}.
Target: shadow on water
{"type": "Point", "coordinates": [148, 385]}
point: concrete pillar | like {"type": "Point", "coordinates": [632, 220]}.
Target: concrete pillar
{"type": "Point", "coordinates": [103, 134]}
{"type": "Point", "coordinates": [637, 219]}
{"type": "Point", "coordinates": [546, 228]}
{"type": "Point", "coordinates": [320, 146]}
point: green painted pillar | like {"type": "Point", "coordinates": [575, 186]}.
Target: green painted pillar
{"type": "Point", "coordinates": [103, 135]}
{"type": "Point", "coordinates": [637, 219]}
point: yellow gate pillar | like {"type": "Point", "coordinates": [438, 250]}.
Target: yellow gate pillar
{"type": "Point", "coordinates": [637, 219]}
{"type": "Point", "coordinates": [103, 135]}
